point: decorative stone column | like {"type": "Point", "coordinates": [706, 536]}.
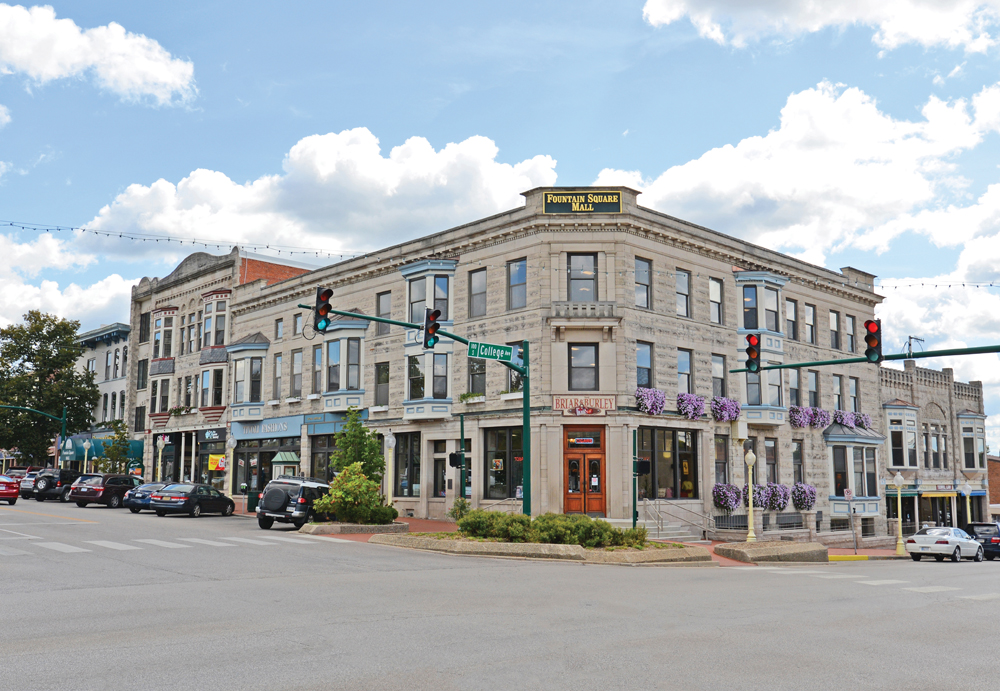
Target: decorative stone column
{"type": "Point", "coordinates": [809, 523]}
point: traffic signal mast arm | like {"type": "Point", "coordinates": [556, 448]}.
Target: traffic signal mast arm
{"type": "Point", "coordinates": [898, 356]}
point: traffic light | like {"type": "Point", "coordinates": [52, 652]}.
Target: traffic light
{"type": "Point", "coordinates": [456, 459]}
{"type": "Point", "coordinates": [431, 326]}
{"type": "Point", "coordinates": [753, 353]}
{"type": "Point", "coordinates": [321, 313]}
{"type": "Point", "coordinates": [873, 339]}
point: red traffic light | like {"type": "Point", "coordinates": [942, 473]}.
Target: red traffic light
{"type": "Point", "coordinates": [753, 339]}
{"type": "Point", "coordinates": [873, 339]}
{"type": "Point", "coordinates": [431, 326]}
{"type": "Point", "coordinates": [872, 326]}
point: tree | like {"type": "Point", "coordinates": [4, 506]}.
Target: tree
{"type": "Point", "coordinates": [358, 444]}
{"type": "Point", "coordinates": [38, 370]}
{"type": "Point", "coordinates": [115, 458]}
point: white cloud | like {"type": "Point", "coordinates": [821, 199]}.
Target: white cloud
{"type": "Point", "coordinates": [963, 24]}
{"type": "Point", "coordinates": [33, 42]}
{"type": "Point", "coordinates": [337, 192]}
{"type": "Point", "coordinates": [835, 166]}
{"type": "Point", "coordinates": [101, 303]}
{"type": "Point", "coordinates": [4, 116]}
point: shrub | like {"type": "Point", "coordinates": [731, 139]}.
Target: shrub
{"type": "Point", "coordinates": [725, 409]}
{"type": "Point", "coordinates": [777, 496]}
{"type": "Point", "coordinates": [651, 401]}
{"type": "Point", "coordinates": [803, 496]}
{"type": "Point", "coordinates": [495, 525]}
{"type": "Point", "coordinates": [383, 515]}
{"type": "Point", "coordinates": [726, 497]}
{"type": "Point", "coordinates": [549, 528]}
{"type": "Point", "coordinates": [353, 498]}
{"type": "Point", "coordinates": [690, 406]}
{"type": "Point", "coordinates": [460, 509]}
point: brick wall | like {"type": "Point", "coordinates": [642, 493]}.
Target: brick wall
{"type": "Point", "coordinates": [254, 270]}
{"type": "Point", "coordinates": [993, 467]}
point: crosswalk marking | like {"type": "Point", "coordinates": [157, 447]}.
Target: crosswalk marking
{"type": "Point", "coordinates": [931, 589]}
{"type": "Point", "coordinates": [60, 547]}
{"type": "Point", "coordinates": [884, 582]}
{"type": "Point", "coordinates": [163, 543]}
{"type": "Point", "coordinates": [210, 543]}
{"type": "Point", "coordinates": [296, 540]}
{"type": "Point", "coordinates": [111, 545]}
{"type": "Point", "coordinates": [987, 596]}
{"type": "Point", "coordinates": [798, 571]}
{"type": "Point", "coordinates": [11, 552]}
{"type": "Point", "coordinates": [249, 541]}
{"type": "Point", "coordinates": [838, 575]}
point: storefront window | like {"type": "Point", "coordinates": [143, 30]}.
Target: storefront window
{"type": "Point", "coordinates": [440, 468]}
{"type": "Point", "coordinates": [673, 464]}
{"type": "Point", "coordinates": [407, 465]}
{"type": "Point", "coordinates": [503, 463]}
{"type": "Point", "coordinates": [323, 448]}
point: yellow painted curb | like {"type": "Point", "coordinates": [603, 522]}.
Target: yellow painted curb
{"type": "Point", "coordinates": [848, 557]}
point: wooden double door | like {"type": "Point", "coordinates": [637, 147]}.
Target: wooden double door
{"type": "Point", "coordinates": [584, 471]}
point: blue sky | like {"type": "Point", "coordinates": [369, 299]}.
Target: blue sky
{"type": "Point", "coordinates": [849, 133]}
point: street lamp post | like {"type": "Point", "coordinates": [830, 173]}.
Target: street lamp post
{"type": "Point", "coordinates": [750, 458]}
{"type": "Point", "coordinates": [86, 453]}
{"type": "Point", "coordinates": [966, 491]}
{"type": "Point", "coordinates": [898, 482]}
{"type": "Point", "coordinates": [160, 443]}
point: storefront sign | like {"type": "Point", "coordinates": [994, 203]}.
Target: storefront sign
{"type": "Point", "coordinates": [217, 461]}
{"type": "Point", "coordinates": [945, 488]}
{"type": "Point", "coordinates": [583, 406]}
{"type": "Point", "coordinates": [266, 429]}
{"type": "Point", "coordinates": [210, 435]}
{"type": "Point", "coordinates": [582, 201]}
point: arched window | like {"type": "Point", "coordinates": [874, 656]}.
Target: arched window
{"type": "Point", "coordinates": [114, 404]}
{"type": "Point", "coordinates": [124, 360]}
{"type": "Point", "coordinates": [117, 365]}
{"type": "Point", "coordinates": [104, 411]}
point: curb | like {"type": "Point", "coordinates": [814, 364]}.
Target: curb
{"type": "Point", "coordinates": [866, 557]}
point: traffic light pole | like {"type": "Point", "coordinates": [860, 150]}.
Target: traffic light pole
{"type": "Point", "coordinates": [896, 356]}
{"type": "Point", "coordinates": [526, 395]}
{"type": "Point", "coordinates": [62, 434]}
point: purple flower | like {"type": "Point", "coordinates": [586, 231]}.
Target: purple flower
{"type": "Point", "coordinates": [760, 496]}
{"type": "Point", "coordinates": [726, 497]}
{"type": "Point", "coordinates": [844, 417]}
{"type": "Point", "coordinates": [690, 405]}
{"type": "Point", "coordinates": [777, 496]}
{"type": "Point", "coordinates": [651, 401]}
{"type": "Point", "coordinates": [725, 409]}
{"type": "Point", "coordinates": [820, 418]}
{"type": "Point", "coordinates": [803, 496]}
{"type": "Point", "coordinates": [863, 420]}
{"type": "Point", "coordinates": [799, 416]}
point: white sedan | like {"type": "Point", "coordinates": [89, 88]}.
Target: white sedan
{"type": "Point", "coordinates": [944, 542]}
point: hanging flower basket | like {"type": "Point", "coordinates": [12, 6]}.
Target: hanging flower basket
{"type": "Point", "coordinates": [844, 417]}
{"type": "Point", "coordinates": [725, 409]}
{"type": "Point", "coordinates": [777, 496]}
{"type": "Point", "coordinates": [651, 401]}
{"type": "Point", "coordinates": [821, 418]}
{"type": "Point", "coordinates": [802, 416]}
{"type": "Point", "coordinates": [803, 496]}
{"type": "Point", "coordinates": [726, 497]}
{"type": "Point", "coordinates": [690, 406]}
{"type": "Point", "coordinates": [760, 496]}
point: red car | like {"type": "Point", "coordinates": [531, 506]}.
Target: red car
{"type": "Point", "coordinates": [9, 489]}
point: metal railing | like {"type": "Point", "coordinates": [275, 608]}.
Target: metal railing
{"type": "Point", "coordinates": [508, 505]}
{"type": "Point", "coordinates": [791, 520]}
{"type": "Point", "coordinates": [701, 524]}
{"type": "Point", "coordinates": [738, 519]}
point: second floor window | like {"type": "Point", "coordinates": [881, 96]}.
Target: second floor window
{"type": "Point", "coordinates": [142, 374]}
{"type": "Point", "coordinates": [477, 376]}
{"type": "Point", "coordinates": [279, 329]}
{"type": "Point", "coordinates": [838, 384]}
{"type": "Point", "coordinates": [852, 395]}
{"type": "Point", "coordinates": [749, 307]}
{"type": "Point", "coordinates": [117, 363]}
{"type": "Point", "coordinates": [477, 293]}
{"type": "Point", "coordinates": [753, 388]}
{"type": "Point", "coordinates": [583, 367]}
{"type": "Point", "coordinates": [296, 390]}
{"type": "Point", "coordinates": [715, 300]}
{"type": "Point", "coordinates": [415, 375]}
{"type": "Point", "coordinates": [644, 364]}
{"type": "Point", "coordinates": [418, 300]}
{"type": "Point", "coordinates": [441, 296]}
{"type": "Point", "coordinates": [582, 277]}
{"type": "Point", "coordinates": [517, 284]}
{"type": "Point", "coordinates": [317, 369]}
{"type": "Point", "coordinates": [812, 379]}
{"type": "Point", "coordinates": [719, 375]}
{"type": "Point", "coordinates": [247, 375]}
{"type": "Point", "coordinates": [683, 293]}
{"type": "Point", "coordinates": [107, 365]}
{"type": "Point", "coordinates": [440, 383]}
{"type": "Point", "coordinates": [643, 294]}
{"type": "Point", "coordinates": [791, 323]}
{"type": "Point", "coordinates": [353, 364]}
{"type": "Point", "coordinates": [794, 397]}
{"type": "Point", "coordinates": [849, 324]}
{"type": "Point", "coordinates": [770, 309]}
{"type": "Point", "coordinates": [217, 387]}
{"type": "Point", "coordinates": [810, 324]}
{"type": "Point", "coordinates": [381, 383]}
{"type": "Point", "coordinates": [333, 366]}
{"type": "Point", "coordinates": [276, 382]}
{"type": "Point", "coordinates": [143, 329]}
{"type": "Point", "coordinates": [383, 308]}
{"type": "Point", "coordinates": [684, 371]}
{"type": "Point", "coordinates": [835, 330]}
{"type": "Point", "coordinates": [774, 387]}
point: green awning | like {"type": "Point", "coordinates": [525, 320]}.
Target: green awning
{"type": "Point", "coordinates": [286, 457]}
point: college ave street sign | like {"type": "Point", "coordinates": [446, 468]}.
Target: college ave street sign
{"type": "Point", "coordinates": [489, 351]}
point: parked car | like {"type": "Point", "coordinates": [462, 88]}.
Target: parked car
{"type": "Point", "coordinates": [191, 498]}
{"type": "Point", "coordinates": [28, 484]}
{"type": "Point", "coordinates": [987, 535]}
{"type": "Point", "coordinates": [54, 484]}
{"type": "Point", "coordinates": [289, 499]}
{"type": "Point", "coordinates": [10, 489]}
{"type": "Point", "coordinates": [17, 472]}
{"type": "Point", "coordinates": [137, 499]}
{"type": "Point", "coordinates": [944, 542]}
{"type": "Point", "coordinates": [102, 488]}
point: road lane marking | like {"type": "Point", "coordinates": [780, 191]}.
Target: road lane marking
{"type": "Point", "coordinates": [11, 552]}
{"type": "Point", "coordinates": [22, 535]}
{"type": "Point", "coordinates": [296, 540]}
{"type": "Point", "coordinates": [885, 582]}
{"type": "Point", "coordinates": [249, 541]}
{"type": "Point", "coordinates": [163, 543]}
{"type": "Point", "coordinates": [49, 515]}
{"type": "Point", "coordinates": [987, 596]}
{"type": "Point", "coordinates": [111, 545]}
{"type": "Point", "coordinates": [796, 571]}
{"type": "Point", "coordinates": [931, 589]}
{"type": "Point", "coordinates": [60, 547]}
{"type": "Point", "coordinates": [210, 543]}
{"type": "Point", "coordinates": [840, 575]}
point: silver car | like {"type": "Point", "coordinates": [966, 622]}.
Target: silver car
{"type": "Point", "coordinates": [28, 484]}
{"type": "Point", "coordinates": [944, 542]}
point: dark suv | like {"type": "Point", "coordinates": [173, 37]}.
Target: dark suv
{"type": "Point", "coordinates": [108, 489]}
{"type": "Point", "coordinates": [54, 484]}
{"type": "Point", "coordinates": [289, 499]}
{"type": "Point", "coordinates": [988, 535]}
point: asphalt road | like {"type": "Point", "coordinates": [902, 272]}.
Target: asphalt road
{"type": "Point", "coordinates": [93, 599]}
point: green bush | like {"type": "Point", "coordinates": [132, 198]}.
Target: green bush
{"type": "Point", "coordinates": [549, 528]}
{"type": "Point", "coordinates": [460, 509]}
{"type": "Point", "coordinates": [383, 515]}
{"type": "Point", "coordinates": [495, 525]}
{"type": "Point", "coordinates": [353, 498]}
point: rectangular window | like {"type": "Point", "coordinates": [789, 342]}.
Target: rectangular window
{"type": "Point", "coordinates": [296, 326]}
{"type": "Point", "coordinates": [794, 398]}
{"type": "Point", "coordinates": [276, 382]}
{"type": "Point", "coordinates": [477, 293]}
{"type": "Point", "coordinates": [715, 313]}
{"type": "Point", "coordinates": [753, 388]}
{"type": "Point", "coordinates": [718, 375]}
{"type": "Point", "coordinates": [217, 387]}
{"type": "Point", "coordinates": [896, 441]}
{"type": "Point", "coordinates": [812, 381]}
{"type": "Point", "coordinates": [441, 296]}
{"type": "Point", "coordinates": [673, 464]}
{"type": "Point", "coordinates": [107, 365]}
{"type": "Point", "coordinates": [199, 331]}
{"type": "Point", "coordinates": [164, 395]}
{"type": "Point", "coordinates": [583, 367]}
{"type": "Point", "coordinates": [140, 418]}
{"type": "Point", "coordinates": [143, 334]}
{"type": "Point", "coordinates": [517, 284]}
{"type": "Point", "coordinates": [440, 469]}
{"type": "Point", "coordinates": [333, 365]}
{"type": "Point", "coordinates": [168, 337]}
{"type": "Point", "coordinates": [935, 451]}
{"type": "Point", "coordinates": [838, 384]}
{"type": "Point", "coordinates": [911, 448]}
{"type": "Point", "coordinates": [440, 382]}
{"type": "Point", "coordinates": [153, 393]}
{"type": "Point", "coordinates": [683, 293]}
{"type": "Point", "coordinates": [220, 328]}
{"type": "Point", "coordinates": [859, 471]}
{"type": "Point", "coordinates": [515, 382]}
{"type": "Point", "coordinates": [749, 307]}
{"type": "Point", "coordinates": [797, 472]}
{"type": "Point", "coordinates": [296, 390]}
{"type": "Point", "coordinates": [684, 379]}
{"type": "Point", "coordinates": [317, 369]}
{"type": "Point", "coordinates": [582, 270]}
{"type": "Point", "coordinates": [502, 464]}
{"type": "Point", "coordinates": [791, 320]}
{"type": "Point", "coordinates": [852, 395]}
{"type": "Point", "coordinates": [142, 376]}
{"type": "Point", "coordinates": [381, 383]}
{"type": "Point", "coordinates": [157, 341]}
{"type": "Point", "coordinates": [871, 473]}
{"type": "Point", "coordinates": [643, 294]}
{"type": "Point", "coordinates": [849, 324]}
{"type": "Point", "coordinates": [208, 332]}
{"type": "Point", "coordinates": [117, 363]}
{"type": "Point", "coordinates": [926, 448]}
{"type": "Point", "coordinates": [477, 376]}
{"type": "Point", "coordinates": [644, 364]}
{"type": "Point", "coordinates": [418, 300]}
{"type": "Point", "coordinates": [721, 459]}
{"type": "Point", "coordinates": [771, 459]}
{"type": "Point", "coordinates": [980, 451]}
{"type": "Point", "coordinates": [279, 329]}
{"type": "Point", "coordinates": [835, 330]}
{"type": "Point", "coordinates": [810, 324]}
{"type": "Point", "coordinates": [256, 377]}
{"type": "Point", "coordinates": [188, 390]}
{"type": "Point", "coordinates": [206, 384]}
{"type": "Point", "coordinates": [353, 364]}
{"type": "Point", "coordinates": [407, 464]}
{"type": "Point", "coordinates": [383, 309]}
{"type": "Point", "coordinates": [239, 375]}
{"type": "Point", "coordinates": [770, 309]}
{"type": "Point", "coordinates": [415, 373]}
{"type": "Point", "coordinates": [970, 452]}
{"type": "Point", "coordinates": [774, 387]}
{"type": "Point", "coordinates": [839, 470]}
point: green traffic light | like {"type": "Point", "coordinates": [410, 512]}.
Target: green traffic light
{"type": "Point", "coordinates": [322, 324]}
